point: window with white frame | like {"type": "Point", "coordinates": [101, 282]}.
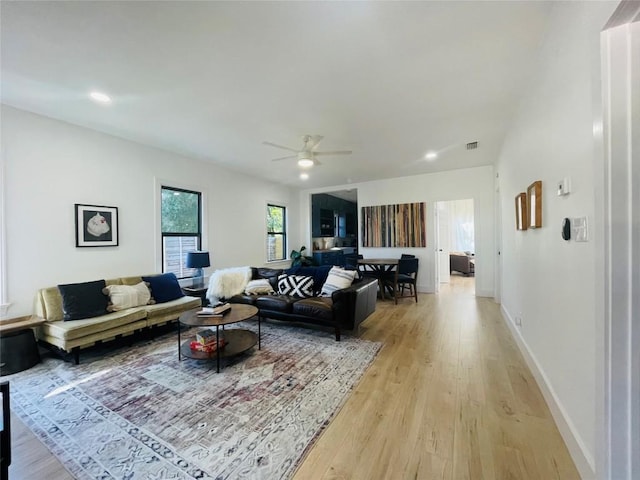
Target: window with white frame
{"type": "Point", "coordinates": [181, 226]}
{"type": "Point", "coordinates": [276, 233]}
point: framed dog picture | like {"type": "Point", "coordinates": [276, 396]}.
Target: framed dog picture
{"type": "Point", "coordinates": [96, 226]}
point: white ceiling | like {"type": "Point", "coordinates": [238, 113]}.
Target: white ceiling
{"type": "Point", "coordinates": [213, 80]}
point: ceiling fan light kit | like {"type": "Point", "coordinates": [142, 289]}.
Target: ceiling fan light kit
{"type": "Point", "coordinates": [100, 97]}
{"type": "Point", "coordinates": [306, 157]}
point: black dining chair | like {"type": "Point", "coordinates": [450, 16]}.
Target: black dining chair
{"type": "Point", "coordinates": [405, 279]}
{"type": "Point", "coordinates": [407, 255]}
{"type": "Point", "coordinates": [351, 262]}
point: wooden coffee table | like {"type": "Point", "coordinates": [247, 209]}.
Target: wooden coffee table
{"type": "Point", "coordinates": [238, 340]}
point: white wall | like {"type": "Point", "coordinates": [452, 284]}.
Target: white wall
{"type": "Point", "coordinates": [475, 183]}
{"type": "Point", "coordinates": [548, 282]}
{"type": "Point", "coordinates": [50, 166]}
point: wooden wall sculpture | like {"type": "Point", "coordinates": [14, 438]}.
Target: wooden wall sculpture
{"type": "Point", "coordinates": [401, 225]}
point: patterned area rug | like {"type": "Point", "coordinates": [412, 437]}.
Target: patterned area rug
{"type": "Point", "coordinates": [138, 413]}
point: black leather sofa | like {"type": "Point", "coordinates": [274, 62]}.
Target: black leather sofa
{"type": "Point", "coordinates": [346, 309]}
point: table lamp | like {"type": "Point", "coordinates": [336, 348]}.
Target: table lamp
{"type": "Point", "coordinates": [198, 260]}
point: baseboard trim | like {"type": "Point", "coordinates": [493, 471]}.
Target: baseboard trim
{"type": "Point", "coordinates": [484, 293]}
{"type": "Point", "coordinates": [424, 289]}
{"type": "Point", "coordinates": [583, 461]}
{"type": "Point", "coordinates": [479, 293]}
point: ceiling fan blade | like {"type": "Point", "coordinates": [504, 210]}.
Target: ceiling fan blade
{"type": "Point", "coordinates": [284, 158]}
{"type": "Point", "coordinates": [280, 146]}
{"type": "Point", "coordinates": [335, 152]}
{"type": "Point", "coordinates": [314, 141]}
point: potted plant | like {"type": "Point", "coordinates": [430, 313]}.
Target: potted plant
{"type": "Point", "coordinates": [299, 260]}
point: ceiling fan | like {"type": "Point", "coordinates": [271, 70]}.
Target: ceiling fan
{"type": "Point", "coordinates": [307, 156]}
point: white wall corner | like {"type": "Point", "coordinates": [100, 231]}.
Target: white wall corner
{"type": "Point", "coordinates": [579, 453]}
{"type": "Point", "coordinates": [620, 428]}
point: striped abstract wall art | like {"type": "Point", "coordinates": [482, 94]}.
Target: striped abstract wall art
{"type": "Point", "coordinates": [401, 225]}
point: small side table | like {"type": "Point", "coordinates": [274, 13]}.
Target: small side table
{"type": "Point", "coordinates": [197, 292]}
{"type": "Point", "coordinates": [18, 347]}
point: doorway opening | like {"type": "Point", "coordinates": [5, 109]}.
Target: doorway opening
{"type": "Point", "coordinates": [334, 221]}
{"type": "Point", "coordinates": [455, 240]}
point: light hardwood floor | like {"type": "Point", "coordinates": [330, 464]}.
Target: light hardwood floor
{"type": "Point", "coordinates": [448, 397]}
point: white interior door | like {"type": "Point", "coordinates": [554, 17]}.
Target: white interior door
{"type": "Point", "coordinates": [443, 242]}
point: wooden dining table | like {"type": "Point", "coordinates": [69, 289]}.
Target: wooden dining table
{"type": "Point", "coordinates": [380, 268]}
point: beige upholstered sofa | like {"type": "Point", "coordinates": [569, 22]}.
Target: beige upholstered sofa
{"type": "Point", "coordinates": [462, 262]}
{"type": "Point", "coordinates": [71, 336]}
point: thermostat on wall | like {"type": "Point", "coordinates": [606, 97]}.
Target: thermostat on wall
{"type": "Point", "coordinates": [564, 187]}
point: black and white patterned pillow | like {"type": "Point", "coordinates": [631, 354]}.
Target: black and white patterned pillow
{"type": "Point", "coordinates": [295, 286]}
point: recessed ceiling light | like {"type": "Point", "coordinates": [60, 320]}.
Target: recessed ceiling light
{"type": "Point", "coordinates": [100, 97]}
{"type": "Point", "coordinates": [431, 156]}
{"type": "Point", "coordinates": [304, 176]}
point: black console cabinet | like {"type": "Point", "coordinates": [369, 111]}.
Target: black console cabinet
{"type": "Point", "coordinates": [335, 257]}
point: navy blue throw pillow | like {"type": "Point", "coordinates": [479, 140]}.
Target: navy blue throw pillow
{"type": "Point", "coordinates": [164, 288]}
{"type": "Point", "coordinates": [83, 300]}
{"type": "Point", "coordinates": [319, 274]}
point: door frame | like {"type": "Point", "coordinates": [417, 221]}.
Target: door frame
{"type": "Point", "coordinates": [497, 295]}
{"type": "Point", "coordinates": [436, 260]}
{"type": "Point", "coordinates": [619, 241]}
{"type": "Point", "coordinates": [436, 229]}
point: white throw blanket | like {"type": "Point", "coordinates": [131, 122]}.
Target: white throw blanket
{"type": "Point", "coordinates": [227, 282]}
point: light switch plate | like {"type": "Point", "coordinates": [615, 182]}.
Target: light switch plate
{"type": "Point", "coordinates": [579, 229]}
